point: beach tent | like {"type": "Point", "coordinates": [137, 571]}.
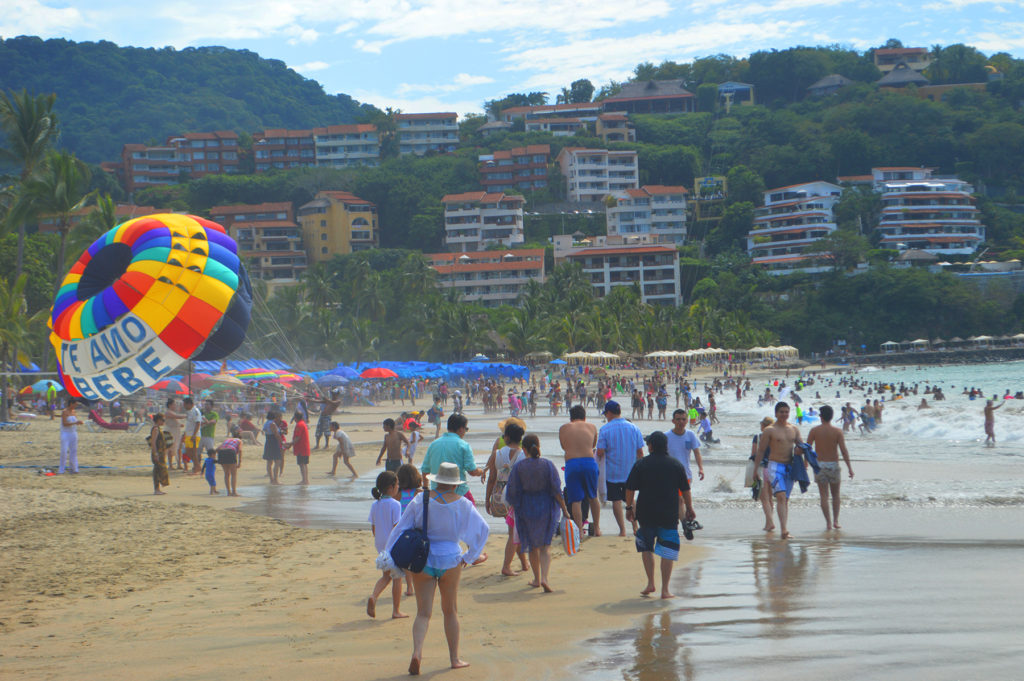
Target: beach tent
{"type": "Point", "coordinates": [919, 344]}
{"type": "Point", "coordinates": [558, 361]}
{"type": "Point", "coordinates": [890, 346]}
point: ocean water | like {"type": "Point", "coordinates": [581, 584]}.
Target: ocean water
{"type": "Point", "coordinates": [924, 580]}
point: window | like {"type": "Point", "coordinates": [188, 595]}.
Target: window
{"type": "Point", "coordinates": [323, 236]}
{"type": "Point", "coordinates": [323, 223]}
{"type": "Point", "coordinates": [323, 250]}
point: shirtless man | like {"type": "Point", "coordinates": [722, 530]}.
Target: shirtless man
{"type": "Point", "coordinates": [578, 439]}
{"type": "Point", "coordinates": [328, 406]}
{"type": "Point", "coordinates": [394, 441]}
{"type": "Point", "coordinates": [779, 440]}
{"type": "Point", "coordinates": [828, 442]}
{"type": "Point", "coordinates": [990, 424]}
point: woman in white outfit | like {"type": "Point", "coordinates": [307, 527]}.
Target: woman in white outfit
{"type": "Point", "coordinates": [69, 424]}
{"type": "Point", "coordinates": [452, 518]}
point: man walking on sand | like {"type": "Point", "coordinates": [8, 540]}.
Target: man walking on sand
{"type": "Point", "coordinates": [680, 443]}
{"type": "Point", "coordinates": [828, 442]}
{"type": "Point", "coordinates": [620, 444]}
{"type": "Point", "coordinates": [779, 439]}
{"type": "Point", "coordinates": [578, 439]}
{"type": "Point", "coordinates": [660, 480]}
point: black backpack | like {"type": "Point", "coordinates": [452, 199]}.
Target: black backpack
{"type": "Point", "coordinates": [410, 550]}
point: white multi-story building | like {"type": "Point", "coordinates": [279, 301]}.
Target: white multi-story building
{"type": "Point", "coordinates": [793, 217]}
{"type": "Point", "coordinates": [419, 133]}
{"type": "Point", "coordinates": [475, 220]}
{"type": "Point", "coordinates": [491, 278]}
{"type": "Point", "coordinates": [592, 174]}
{"type": "Point", "coordinates": [923, 212]}
{"type": "Point", "coordinates": [338, 146]}
{"type": "Point", "coordinates": [609, 262]}
{"type": "Point", "coordinates": [657, 210]}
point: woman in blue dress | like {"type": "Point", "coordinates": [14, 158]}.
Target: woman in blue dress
{"type": "Point", "coordinates": [535, 493]}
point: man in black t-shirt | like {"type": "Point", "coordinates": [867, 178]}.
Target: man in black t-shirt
{"type": "Point", "coordinates": [661, 481]}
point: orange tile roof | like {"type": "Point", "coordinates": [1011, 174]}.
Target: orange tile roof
{"type": "Point", "coordinates": [790, 186]}
{"type": "Point", "coordinates": [480, 197]}
{"type": "Point", "coordinates": [566, 119]}
{"type": "Point", "coordinates": [282, 132]}
{"type": "Point", "coordinates": [347, 197]}
{"type": "Point", "coordinates": [215, 135]}
{"type": "Point", "coordinates": [855, 178]}
{"type": "Point", "coordinates": [765, 260]}
{"type": "Point", "coordinates": [339, 129]}
{"type": "Point", "coordinates": [654, 189]}
{"type": "Point", "coordinates": [613, 117]}
{"type": "Point", "coordinates": [478, 255]}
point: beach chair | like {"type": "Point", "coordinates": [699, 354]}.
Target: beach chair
{"type": "Point", "coordinates": [97, 423]}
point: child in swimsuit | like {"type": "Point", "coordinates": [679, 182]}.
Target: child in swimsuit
{"type": "Point", "coordinates": [384, 515]}
{"type": "Point", "coordinates": [210, 471]}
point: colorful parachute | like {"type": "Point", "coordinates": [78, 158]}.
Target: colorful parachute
{"type": "Point", "coordinates": [146, 296]}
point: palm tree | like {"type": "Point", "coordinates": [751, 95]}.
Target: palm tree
{"type": "Point", "coordinates": [92, 227]}
{"type": "Point", "coordinates": [15, 328]}
{"type": "Point", "coordinates": [60, 189]}
{"type": "Point", "coordinates": [30, 124]}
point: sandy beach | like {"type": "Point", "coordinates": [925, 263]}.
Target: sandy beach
{"type": "Point", "coordinates": [104, 580]}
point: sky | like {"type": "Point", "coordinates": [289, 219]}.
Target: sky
{"type": "Point", "coordinates": [452, 55]}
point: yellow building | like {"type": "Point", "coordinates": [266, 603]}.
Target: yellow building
{"type": "Point", "coordinates": [337, 223]}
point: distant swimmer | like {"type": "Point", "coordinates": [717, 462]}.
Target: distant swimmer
{"type": "Point", "coordinates": [828, 442]}
{"type": "Point", "coordinates": [990, 423]}
{"type": "Point", "coordinates": [923, 405]}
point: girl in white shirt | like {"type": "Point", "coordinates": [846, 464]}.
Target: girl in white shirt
{"type": "Point", "coordinates": [384, 515]}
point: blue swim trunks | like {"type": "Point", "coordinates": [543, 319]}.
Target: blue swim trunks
{"type": "Point", "coordinates": [780, 478]}
{"type": "Point", "coordinates": [663, 541]}
{"type": "Point", "coordinates": [581, 479]}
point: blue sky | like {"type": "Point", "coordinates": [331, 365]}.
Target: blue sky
{"type": "Point", "coordinates": [451, 55]}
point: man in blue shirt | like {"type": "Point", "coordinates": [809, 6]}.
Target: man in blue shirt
{"type": "Point", "coordinates": [452, 448]}
{"type": "Point", "coordinates": [680, 443]}
{"type": "Point", "coordinates": [620, 444]}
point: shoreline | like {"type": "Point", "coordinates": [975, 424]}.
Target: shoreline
{"type": "Point", "coordinates": [189, 581]}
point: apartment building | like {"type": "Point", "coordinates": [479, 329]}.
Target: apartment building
{"type": "Point", "coordinates": [584, 111]}
{"type": "Point", "coordinates": [615, 127]}
{"type": "Point", "coordinates": [793, 218]}
{"type": "Point", "coordinates": [559, 127]}
{"type": "Point", "coordinates": [592, 174]}
{"type": "Point", "coordinates": [269, 240]}
{"type": "Point", "coordinates": [337, 223]}
{"type": "Point", "coordinates": [655, 210]}
{"type": "Point", "coordinates": [609, 262]}
{"type": "Point", "coordinates": [475, 220]}
{"type": "Point", "coordinates": [342, 146]}
{"type": "Point", "coordinates": [491, 278]}
{"type": "Point", "coordinates": [522, 168]}
{"type": "Point", "coordinates": [283, 149]}
{"type": "Point", "coordinates": [419, 133]}
{"type": "Point", "coordinates": [187, 156]}
{"type": "Point", "coordinates": [923, 212]}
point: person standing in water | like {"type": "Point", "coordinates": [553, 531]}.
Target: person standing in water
{"type": "Point", "coordinates": [990, 424]}
{"type": "Point", "coordinates": [828, 442]}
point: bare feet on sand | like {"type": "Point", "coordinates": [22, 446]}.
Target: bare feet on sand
{"type": "Point", "coordinates": [786, 535]}
{"type": "Point", "coordinates": [510, 573]}
{"type": "Point", "coordinates": [547, 589]}
{"type": "Point", "coordinates": [769, 528]}
{"type": "Point", "coordinates": [666, 595]}
{"type": "Point", "coordinates": [835, 526]}
{"type": "Point", "coordinates": [159, 492]}
{"type": "Point", "coordinates": [532, 584]}
{"type": "Point", "coordinates": [481, 559]}
{"type": "Point", "coordinates": [414, 667]}
{"type": "Point", "coordinates": [371, 607]}
{"type": "Point", "coordinates": [648, 591]}
{"type": "Point", "coordinates": [398, 615]}
{"type": "Point", "coordinates": [459, 664]}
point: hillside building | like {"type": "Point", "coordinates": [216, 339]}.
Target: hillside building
{"type": "Point", "coordinates": [283, 149]}
{"type": "Point", "coordinates": [491, 278]}
{"type": "Point", "coordinates": [338, 223]}
{"type": "Point", "coordinates": [615, 127]}
{"type": "Point", "coordinates": [592, 174]}
{"type": "Point", "coordinates": [793, 218]}
{"type": "Point", "coordinates": [584, 111]}
{"type": "Point", "coordinates": [652, 96]}
{"type": "Point", "coordinates": [559, 127]}
{"type": "Point", "coordinates": [181, 157]}
{"type": "Point", "coordinates": [609, 262]}
{"type": "Point", "coordinates": [522, 168]}
{"type": "Point", "coordinates": [419, 133]}
{"type": "Point", "coordinates": [269, 240]}
{"type": "Point", "coordinates": [475, 221]}
{"type": "Point", "coordinates": [342, 146]}
{"type": "Point", "coordinates": [915, 58]}
{"type": "Point", "coordinates": [927, 213]}
{"type": "Point", "coordinates": [654, 210]}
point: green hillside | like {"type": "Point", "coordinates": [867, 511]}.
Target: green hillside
{"type": "Point", "coordinates": [109, 95]}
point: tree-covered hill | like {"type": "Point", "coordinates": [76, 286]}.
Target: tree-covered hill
{"type": "Point", "coordinates": [111, 95]}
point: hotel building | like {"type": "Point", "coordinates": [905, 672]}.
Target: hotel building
{"type": "Point", "coordinates": [491, 278]}
{"type": "Point", "coordinates": [592, 174]}
{"type": "Point", "coordinates": [419, 133]}
{"type": "Point", "coordinates": [654, 210]}
{"type": "Point", "coordinates": [342, 146]}
{"type": "Point", "coordinates": [609, 262]}
{"type": "Point", "coordinates": [269, 240]}
{"type": "Point", "coordinates": [522, 168]}
{"type": "Point", "coordinates": [338, 223]}
{"type": "Point", "coordinates": [475, 220]}
{"type": "Point", "coordinates": [792, 218]}
{"type": "Point", "coordinates": [283, 149]}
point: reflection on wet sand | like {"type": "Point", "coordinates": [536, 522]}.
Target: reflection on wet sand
{"type": "Point", "coordinates": [660, 655]}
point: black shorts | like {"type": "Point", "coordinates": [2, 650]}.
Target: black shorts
{"type": "Point", "coordinates": [227, 456]}
{"type": "Point", "coordinates": [392, 464]}
{"type": "Point", "coordinates": [616, 491]}
{"type": "Point", "coordinates": [302, 460]}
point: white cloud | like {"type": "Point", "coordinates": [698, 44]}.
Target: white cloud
{"type": "Point", "coordinates": [424, 104]}
{"type": "Point", "coordinates": [312, 66]}
{"type": "Point", "coordinates": [747, 10]}
{"type": "Point", "coordinates": [606, 59]}
{"type": "Point", "coordinates": [461, 81]}
{"type": "Point", "coordinates": [32, 17]}
{"type": "Point", "coordinates": [1009, 38]}
{"type": "Point", "coordinates": [301, 35]}
{"type": "Point", "coordinates": [998, 5]}
{"type": "Point", "coordinates": [344, 27]}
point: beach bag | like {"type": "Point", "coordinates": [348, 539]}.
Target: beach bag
{"type": "Point", "coordinates": [168, 439]}
{"type": "Point", "coordinates": [499, 504]}
{"type": "Point", "coordinates": [412, 547]}
{"type": "Point", "coordinates": [570, 537]}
